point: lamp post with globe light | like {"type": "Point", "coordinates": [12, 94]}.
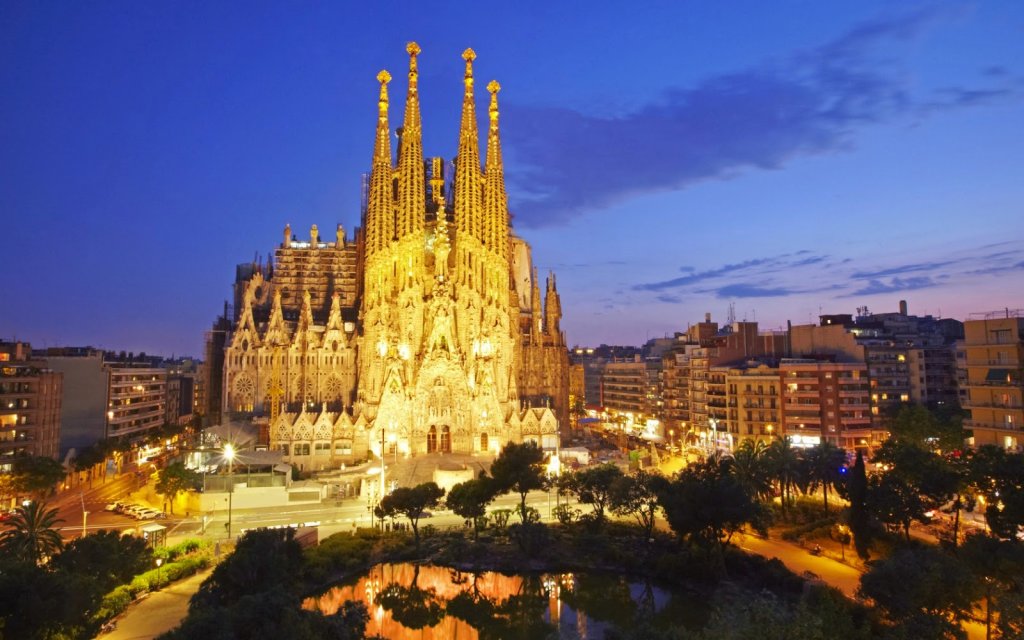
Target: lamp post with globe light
{"type": "Point", "coordinates": [229, 455]}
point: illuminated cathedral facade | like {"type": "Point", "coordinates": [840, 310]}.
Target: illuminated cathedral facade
{"type": "Point", "coordinates": [423, 333]}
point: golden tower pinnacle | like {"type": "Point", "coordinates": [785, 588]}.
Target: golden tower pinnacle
{"type": "Point", "coordinates": [412, 194]}
{"type": "Point", "coordinates": [379, 221]}
{"type": "Point", "coordinates": [469, 56]}
{"type": "Point", "coordinates": [495, 198]}
{"type": "Point", "coordinates": [467, 170]}
{"type": "Point", "coordinates": [382, 104]}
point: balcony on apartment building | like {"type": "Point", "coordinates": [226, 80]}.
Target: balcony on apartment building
{"type": "Point", "coordinates": [997, 426]}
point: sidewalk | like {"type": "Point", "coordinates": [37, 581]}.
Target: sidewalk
{"type": "Point", "coordinates": [161, 611]}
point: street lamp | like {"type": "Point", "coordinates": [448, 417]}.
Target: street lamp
{"type": "Point", "coordinates": [671, 442]}
{"type": "Point", "coordinates": [769, 428]}
{"type": "Point", "coordinates": [159, 561]}
{"type": "Point", "coordinates": [554, 470]}
{"type": "Point", "coordinates": [382, 485]}
{"type": "Point", "coordinates": [229, 454]}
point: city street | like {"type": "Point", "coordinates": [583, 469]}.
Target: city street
{"type": "Point", "coordinates": [69, 505]}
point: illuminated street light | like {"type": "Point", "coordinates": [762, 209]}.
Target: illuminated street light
{"type": "Point", "coordinates": [229, 454]}
{"type": "Point", "coordinates": [159, 561]}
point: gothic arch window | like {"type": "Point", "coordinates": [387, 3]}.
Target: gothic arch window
{"type": "Point", "coordinates": [332, 389]}
{"type": "Point", "coordinates": [484, 442]}
{"type": "Point", "coordinates": [446, 440]}
{"type": "Point", "coordinates": [432, 439]}
{"type": "Point", "coordinates": [244, 393]}
{"type": "Point", "coordinates": [304, 389]}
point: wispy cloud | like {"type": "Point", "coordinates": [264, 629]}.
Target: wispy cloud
{"type": "Point", "coordinates": [752, 291]}
{"type": "Point", "coordinates": [769, 264]}
{"type": "Point", "coordinates": [566, 163]}
{"type": "Point", "coordinates": [699, 276]}
{"type": "Point", "coordinates": [902, 269]}
{"type": "Point", "coordinates": [893, 285]}
{"type": "Point", "coordinates": [999, 268]}
{"type": "Point", "coordinates": [801, 273]}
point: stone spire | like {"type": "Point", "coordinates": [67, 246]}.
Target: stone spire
{"type": "Point", "coordinates": [467, 170]}
{"type": "Point", "coordinates": [276, 333]}
{"type": "Point", "coordinates": [380, 219]}
{"type": "Point", "coordinates": [495, 198]}
{"type": "Point", "coordinates": [411, 186]}
{"type": "Point", "coordinates": [552, 307]}
{"type": "Point", "coordinates": [536, 312]}
{"type": "Point", "coordinates": [334, 320]}
{"type": "Point", "coordinates": [306, 314]}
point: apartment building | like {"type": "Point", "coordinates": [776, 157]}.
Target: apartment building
{"type": "Point", "coordinates": [994, 354]}
{"type": "Point", "coordinates": [30, 405]}
{"type": "Point", "coordinates": [827, 400]}
{"type": "Point", "coordinates": [136, 400]}
{"type": "Point", "coordinates": [909, 358]}
{"type": "Point", "coordinates": [754, 393]}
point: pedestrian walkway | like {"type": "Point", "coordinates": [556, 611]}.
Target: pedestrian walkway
{"type": "Point", "coordinates": [161, 611]}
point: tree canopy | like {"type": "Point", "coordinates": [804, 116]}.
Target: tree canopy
{"type": "Point", "coordinates": [31, 533]}
{"type": "Point", "coordinates": [706, 505]}
{"type": "Point", "coordinates": [470, 499]}
{"type": "Point", "coordinates": [411, 502]}
{"type": "Point", "coordinates": [593, 486]}
{"type": "Point", "coordinates": [519, 468]}
{"type": "Point", "coordinates": [175, 479]}
{"type": "Point", "coordinates": [36, 475]}
{"type": "Point", "coordinates": [107, 556]}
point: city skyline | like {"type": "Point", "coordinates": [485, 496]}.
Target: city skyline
{"type": "Point", "coordinates": [823, 158]}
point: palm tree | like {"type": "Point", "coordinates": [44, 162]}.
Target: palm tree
{"type": "Point", "coordinates": [783, 467]}
{"type": "Point", "coordinates": [31, 534]}
{"type": "Point", "coordinates": [750, 468]}
{"type": "Point", "coordinates": [824, 462]}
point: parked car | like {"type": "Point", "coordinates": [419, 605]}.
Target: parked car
{"type": "Point", "coordinates": [134, 510]}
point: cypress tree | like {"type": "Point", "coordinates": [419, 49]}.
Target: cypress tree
{"type": "Point", "coordinates": [860, 525]}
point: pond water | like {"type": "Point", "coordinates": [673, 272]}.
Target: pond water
{"type": "Point", "coordinates": [428, 602]}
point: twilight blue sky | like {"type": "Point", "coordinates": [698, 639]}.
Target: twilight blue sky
{"type": "Point", "coordinates": [664, 158]}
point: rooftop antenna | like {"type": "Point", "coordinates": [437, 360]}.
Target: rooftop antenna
{"type": "Point", "coordinates": [732, 313]}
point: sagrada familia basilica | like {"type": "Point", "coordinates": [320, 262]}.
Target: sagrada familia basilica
{"type": "Point", "coordinates": [423, 333]}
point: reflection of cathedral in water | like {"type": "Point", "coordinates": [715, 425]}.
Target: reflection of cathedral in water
{"type": "Point", "coordinates": [434, 603]}
{"type": "Point", "coordinates": [425, 334]}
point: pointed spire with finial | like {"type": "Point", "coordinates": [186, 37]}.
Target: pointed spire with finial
{"type": "Point", "coordinates": [412, 196]}
{"type": "Point", "coordinates": [467, 170]}
{"type": "Point", "coordinates": [277, 332]}
{"type": "Point", "coordinates": [379, 212]}
{"type": "Point", "coordinates": [536, 311]}
{"type": "Point", "coordinates": [495, 197]}
{"type": "Point", "coordinates": [552, 307]}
